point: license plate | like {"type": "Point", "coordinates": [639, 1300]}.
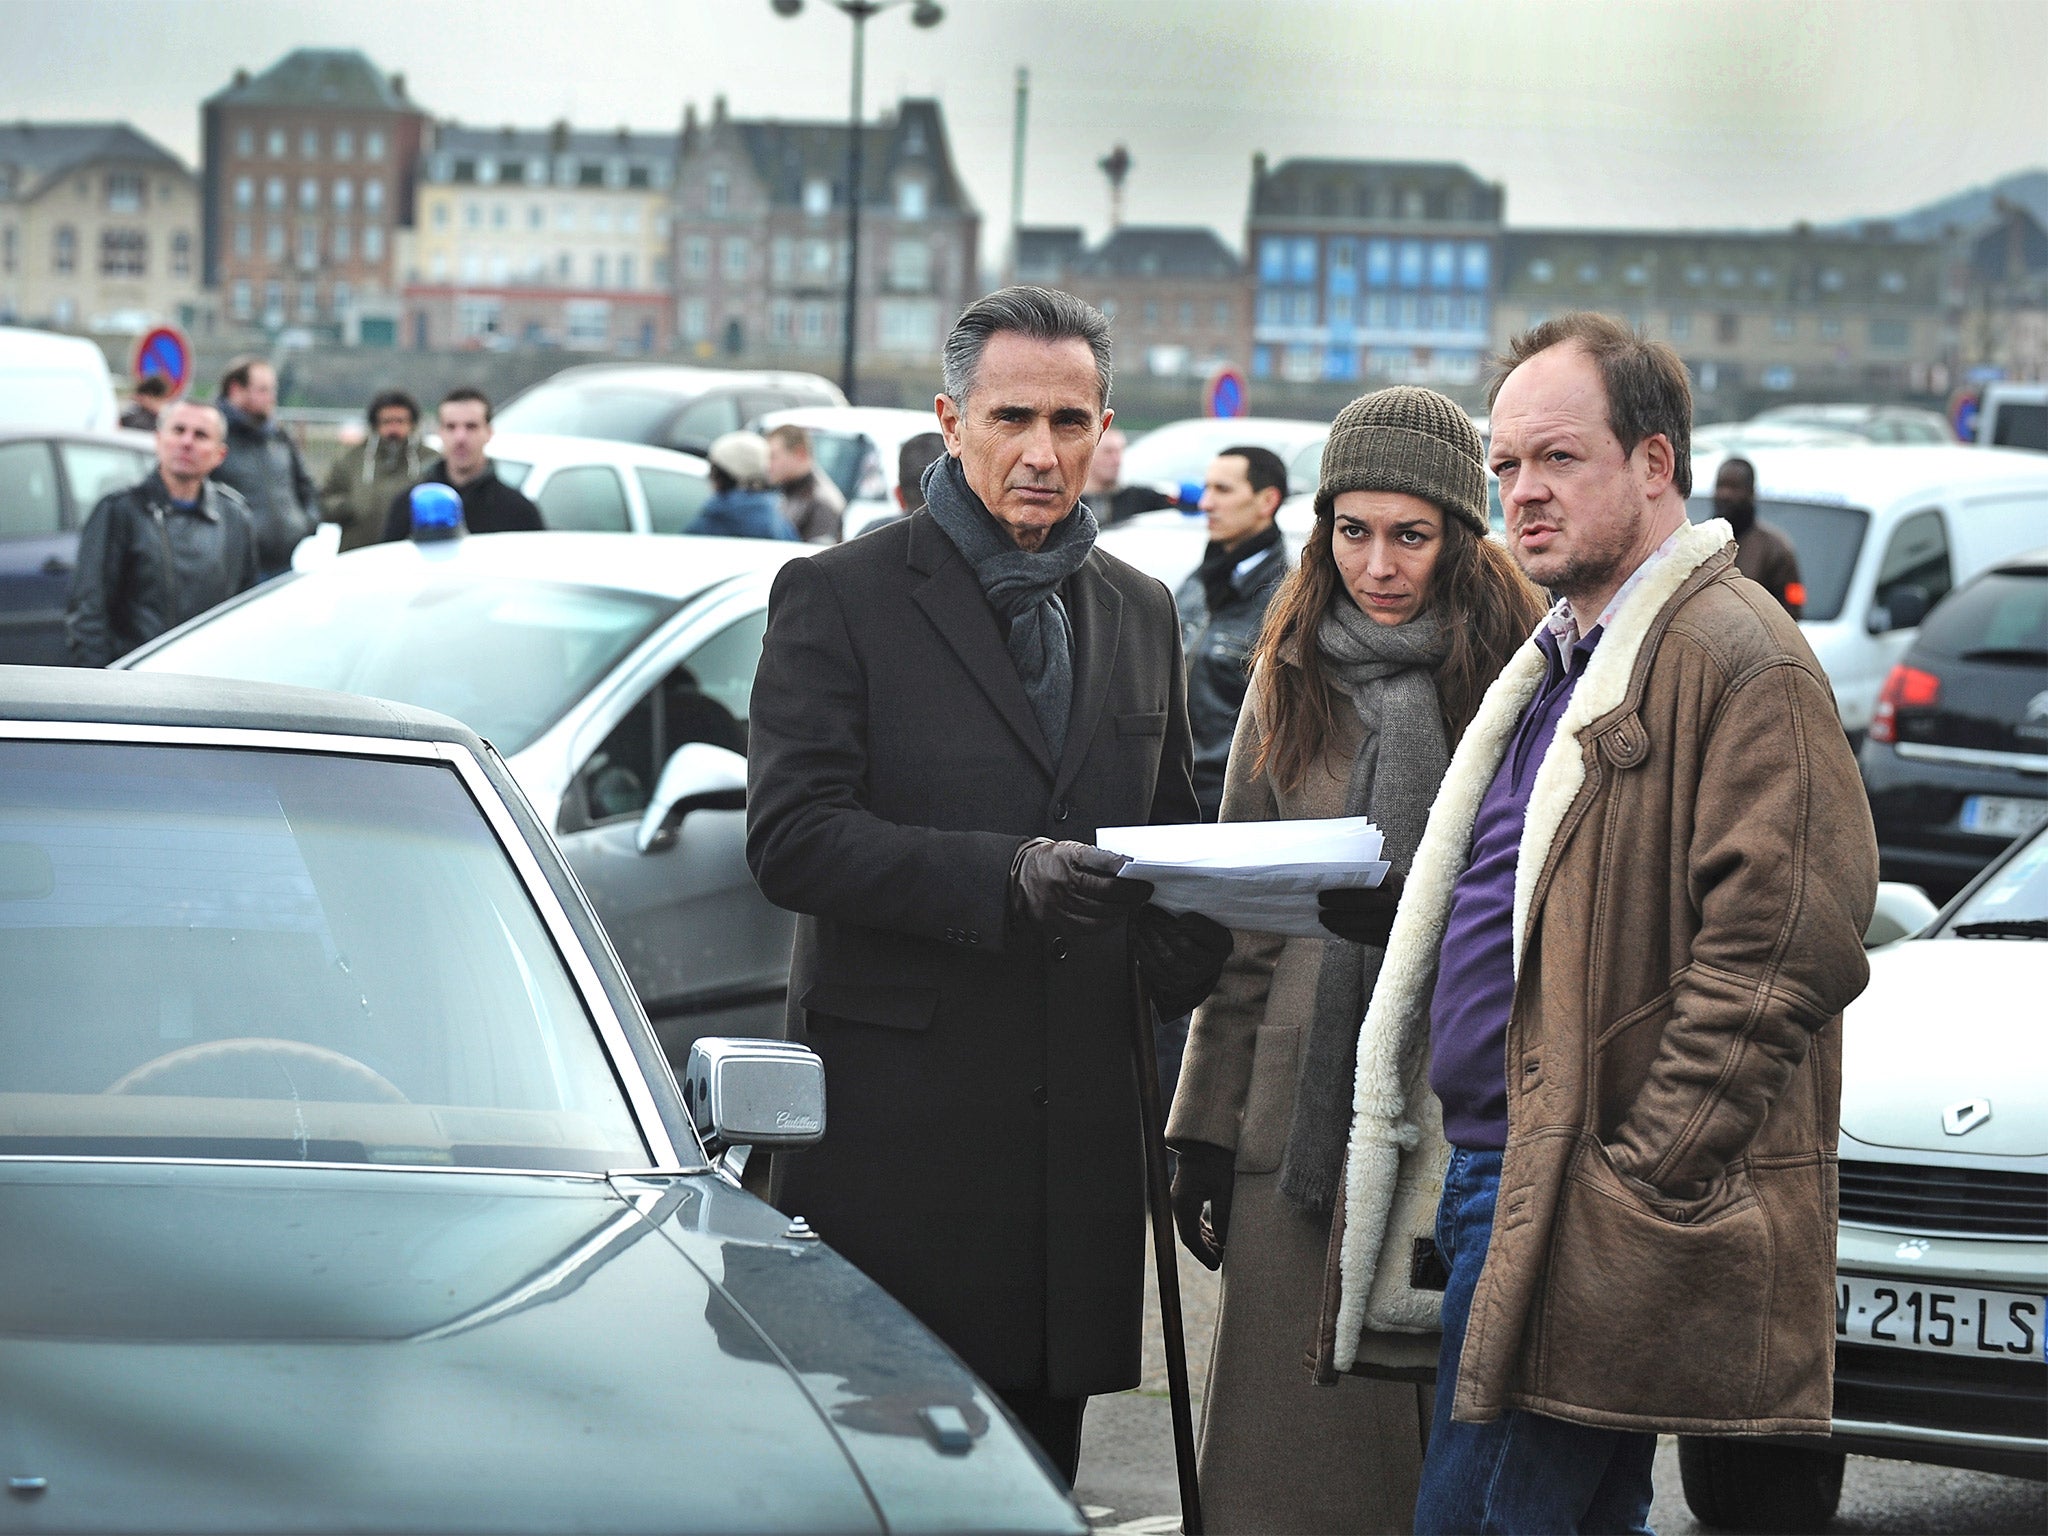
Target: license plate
{"type": "Point", "coordinates": [1953, 1320]}
{"type": "Point", "coordinates": [2002, 815]}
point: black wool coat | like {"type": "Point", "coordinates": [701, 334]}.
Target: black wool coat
{"type": "Point", "coordinates": [981, 1158]}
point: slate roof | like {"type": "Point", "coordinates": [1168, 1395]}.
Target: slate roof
{"type": "Point", "coordinates": [41, 152]}
{"type": "Point", "coordinates": [1141, 250]}
{"type": "Point", "coordinates": [1340, 188]}
{"type": "Point", "coordinates": [1046, 253]}
{"type": "Point", "coordinates": [787, 155]}
{"type": "Point", "coordinates": [342, 78]}
{"type": "Point", "coordinates": [523, 144]}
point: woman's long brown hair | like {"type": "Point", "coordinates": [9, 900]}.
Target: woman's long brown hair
{"type": "Point", "coordinates": [1487, 605]}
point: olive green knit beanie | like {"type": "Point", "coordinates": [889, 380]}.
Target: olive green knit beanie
{"type": "Point", "coordinates": [1406, 439]}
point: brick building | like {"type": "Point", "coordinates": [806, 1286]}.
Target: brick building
{"type": "Point", "coordinates": [545, 237]}
{"type": "Point", "coordinates": [99, 228]}
{"type": "Point", "coordinates": [1848, 316]}
{"type": "Point", "coordinates": [1176, 297]}
{"type": "Point", "coordinates": [1374, 271]}
{"type": "Point", "coordinates": [760, 237]}
{"type": "Point", "coordinates": [309, 172]}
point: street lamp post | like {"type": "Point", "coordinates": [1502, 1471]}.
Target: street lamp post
{"type": "Point", "coordinates": [924, 13]}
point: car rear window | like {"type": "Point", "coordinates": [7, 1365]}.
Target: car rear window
{"type": "Point", "coordinates": [2000, 617]}
{"type": "Point", "coordinates": [234, 953]}
{"type": "Point", "coordinates": [505, 657]}
{"type": "Point", "coordinates": [1826, 538]}
{"type": "Point", "coordinates": [623, 415]}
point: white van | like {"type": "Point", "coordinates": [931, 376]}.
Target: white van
{"type": "Point", "coordinates": [2013, 416]}
{"type": "Point", "coordinates": [50, 382]}
{"type": "Point", "coordinates": [1882, 533]}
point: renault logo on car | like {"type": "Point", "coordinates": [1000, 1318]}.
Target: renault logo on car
{"type": "Point", "coordinates": [1961, 1119]}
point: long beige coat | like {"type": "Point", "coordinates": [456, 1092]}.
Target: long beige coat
{"type": "Point", "coordinates": [1279, 1453]}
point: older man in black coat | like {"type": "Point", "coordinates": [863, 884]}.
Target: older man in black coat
{"type": "Point", "coordinates": [946, 711]}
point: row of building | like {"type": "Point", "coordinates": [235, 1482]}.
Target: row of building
{"type": "Point", "coordinates": [331, 204]}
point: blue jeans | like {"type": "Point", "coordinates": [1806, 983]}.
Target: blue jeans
{"type": "Point", "coordinates": [1525, 1472]}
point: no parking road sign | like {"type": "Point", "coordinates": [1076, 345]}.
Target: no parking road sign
{"type": "Point", "coordinates": [1224, 394]}
{"type": "Point", "coordinates": [166, 351]}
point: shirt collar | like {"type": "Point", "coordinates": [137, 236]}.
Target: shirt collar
{"type": "Point", "coordinates": [1562, 623]}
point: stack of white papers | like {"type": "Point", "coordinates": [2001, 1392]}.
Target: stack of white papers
{"type": "Point", "coordinates": [1257, 875]}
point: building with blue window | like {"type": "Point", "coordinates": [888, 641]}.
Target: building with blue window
{"type": "Point", "coordinates": [1372, 271]}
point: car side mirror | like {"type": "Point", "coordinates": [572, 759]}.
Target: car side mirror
{"type": "Point", "coordinates": [754, 1093]}
{"type": "Point", "coordinates": [699, 777]}
{"type": "Point", "coordinates": [1902, 911]}
{"type": "Point", "coordinates": [1908, 606]}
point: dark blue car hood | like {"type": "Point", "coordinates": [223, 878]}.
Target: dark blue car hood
{"type": "Point", "coordinates": [231, 1348]}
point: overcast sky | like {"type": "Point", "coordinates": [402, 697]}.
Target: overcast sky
{"type": "Point", "coordinates": [1593, 112]}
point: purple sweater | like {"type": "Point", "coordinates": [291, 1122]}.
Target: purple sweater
{"type": "Point", "coordinates": [1475, 978]}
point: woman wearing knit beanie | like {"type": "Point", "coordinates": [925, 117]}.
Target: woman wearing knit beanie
{"type": "Point", "coordinates": [1374, 656]}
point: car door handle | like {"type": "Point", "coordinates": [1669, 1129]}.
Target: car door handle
{"type": "Point", "coordinates": [56, 565]}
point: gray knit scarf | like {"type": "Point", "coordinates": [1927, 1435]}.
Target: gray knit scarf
{"type": "Point", "coordinates": [1388, 671]}
{"type": "Point", "coordinates": [1023, 587]}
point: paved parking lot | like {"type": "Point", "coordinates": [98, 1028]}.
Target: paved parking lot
{"type": "Point", "coordinates": [1127, 1479]}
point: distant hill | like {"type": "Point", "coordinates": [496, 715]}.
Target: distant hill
{"type": "Point", "coordinates": [2027, 188]}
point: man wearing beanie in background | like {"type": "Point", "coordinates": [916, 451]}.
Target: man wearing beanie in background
{"type": "Point", "coordinates": [1623, 949]}
{"type": "Point", "coordinates": [741, 505]}
{"type": "Point", "coordinates": [1762, 553]}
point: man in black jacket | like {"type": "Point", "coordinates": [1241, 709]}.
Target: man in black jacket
{"type": "Point", "coordinates": [938, 702]}
{"type": "Point", "coordinates": [161, 552]}
{"type": "Point", "coordinates": [1223, 603]}
{"type": "Point", "coordinates": [489, 505]}
{"type": "Point", "coordinates": [263, 466]}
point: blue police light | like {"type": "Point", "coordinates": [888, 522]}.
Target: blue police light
{"type": "Point", "coordinates": [436, 512]}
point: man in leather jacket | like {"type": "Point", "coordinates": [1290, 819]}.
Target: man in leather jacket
{"type": "Point", "coordinates": [1223, 603]}
{"type": "Point", "coordinates": [163, 551]}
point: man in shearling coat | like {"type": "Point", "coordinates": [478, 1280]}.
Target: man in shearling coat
{"type": "Point", "coordinates": [1621, 961]}
{"type": "Point", "coordinates": [945, 712]}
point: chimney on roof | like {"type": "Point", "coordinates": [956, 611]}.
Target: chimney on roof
{"type": "Point", "coordinates": [625, 136]}
{"type": "Point", "coordinates": [398, 86]}
{"type": "Point", "coordinates": [241, 77]}
{"type": "Point", "coordinates": [1258, 167]}
{"type": "Point", "coordinates": [1116, 165]}
{"type": "Point", "coordinates": [558, 136]}
{"type": "Point", "coordinates": [688, 145]}
{"type": "Point", "coordinates": [718, 111]}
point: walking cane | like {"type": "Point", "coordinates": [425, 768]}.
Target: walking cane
{"type": "Point", "coordinates": [1164, 1255]}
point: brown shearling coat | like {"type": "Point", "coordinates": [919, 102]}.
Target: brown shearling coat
{"type": "Point", "coordinates": [1696, 872]}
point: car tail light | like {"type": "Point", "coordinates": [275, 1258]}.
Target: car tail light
{"type": "Point", "coordinates": [1906, 688]}
{"type": "Point", "coordinates": [1795, 594]}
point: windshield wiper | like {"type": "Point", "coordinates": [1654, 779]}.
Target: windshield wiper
{"type": "Point", "coordinates": [2004, 928]}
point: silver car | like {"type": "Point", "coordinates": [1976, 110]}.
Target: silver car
{"type": "Point", "coordinates": [613, 672]}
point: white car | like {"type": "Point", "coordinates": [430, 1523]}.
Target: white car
{"type": "Point", "coordinates": [856, 447]}
{"type": "Point", "coordinates": [1942, 1249]}
{"type": "Point", "coordinates": [613, 672]}
{"type": "Point", "coordinates": [597, 485]}
{"type": "Point", "coordinates": [1883, 532]}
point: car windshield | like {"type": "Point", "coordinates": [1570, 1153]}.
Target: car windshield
{"type": "Point", "coordinates": [281, 955]}
{"type": "Point", "coordinates": [621, 413]}
{"type": "Point", "coordinates": [2012, 903]}
{"type": "Point", "coordinates": [507, 658]}
{"type": "Point", "coordinates": [1826, 539]}
{"type": "Point", "coordinates": [1180, 452]}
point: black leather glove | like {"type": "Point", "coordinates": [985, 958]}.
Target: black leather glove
{"type": "Point", "coordinates": [1072, 887]}
{"type": "Point", "coordinates": [1364, 915]}
{"type": "Point", "coordinates": [1180, 957]}
{"type": "Point", "coordinates": [1204, 1176]}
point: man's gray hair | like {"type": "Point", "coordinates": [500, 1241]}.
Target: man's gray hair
{"type": "Point", "coordinates": [1044, 314]}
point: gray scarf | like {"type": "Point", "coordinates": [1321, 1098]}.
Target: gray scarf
{"type": "Point", "coordinates": [1389, 674]}
{"type": "Point", "coordinates": [1023, 587]}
